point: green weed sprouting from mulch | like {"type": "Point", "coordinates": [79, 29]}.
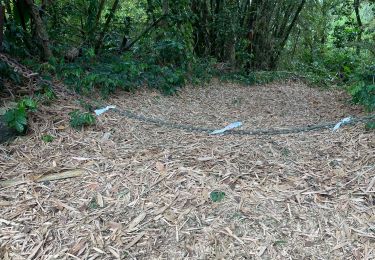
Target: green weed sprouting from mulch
{"type": "Point", "coordinates": [79, 119]}
{"type": "Point", "coordinates": [217, 196]}
{"type": "Point", "coordinates": [47, 138]}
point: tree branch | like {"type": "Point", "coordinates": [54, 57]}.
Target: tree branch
{"type": "Point", "coordinates": [291, 25]}
{"type": "Point", "coordinates": [154, 24]}
{"type": "Point", "coordinates": [106, 25]}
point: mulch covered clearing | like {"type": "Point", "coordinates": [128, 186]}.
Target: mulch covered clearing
{"type": "Point", "coordinates": [143, 191]}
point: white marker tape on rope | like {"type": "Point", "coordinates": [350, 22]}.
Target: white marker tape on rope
{"type": "Point", "coordinates": [345, 121]}
{"type": "Point", "coordinates": [98, 112]}
{"type": "Point", "coordinates": [227, 128]}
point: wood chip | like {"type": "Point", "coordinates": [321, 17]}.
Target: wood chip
{"type": "Point", "coordinates": [134, 223]}
{"type": "Point", "coordinates": [134, 241]}
{"type": "Point", "coordinates": [143, 191]}
{"type": "Point", "coordinates": [50, 177]}
{"type": "Point", "coordinates": [99, 200]}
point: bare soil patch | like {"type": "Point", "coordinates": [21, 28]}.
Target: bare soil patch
{"type": "Point", "coordinates": [145, 191]}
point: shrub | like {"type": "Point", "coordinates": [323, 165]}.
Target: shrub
{"type": "Point", "coordinates": [363, 88]}
{"type": "Point", "coordinates": [80, 119]}
{"type": "Point", "coordinates": [16, 118]}
{"type": "Point", "coordinates": [364, 94]}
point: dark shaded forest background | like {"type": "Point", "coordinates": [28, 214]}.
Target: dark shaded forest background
{"type": "Point", "coordinates": [107, 45]}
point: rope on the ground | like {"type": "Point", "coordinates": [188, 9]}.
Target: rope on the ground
{"type": "Point", "coordinates": [270, 131]}
{"type": "Point", "coordinates": [28, 74]}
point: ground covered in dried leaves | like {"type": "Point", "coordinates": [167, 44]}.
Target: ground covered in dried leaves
{"type": "Point", "coordinates": [144, 192]}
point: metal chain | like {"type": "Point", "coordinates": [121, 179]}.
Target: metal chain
{"type": "Point", "coordinates": [28, 74]}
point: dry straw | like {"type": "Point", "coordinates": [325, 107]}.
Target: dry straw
{"type": "Point", "coordinates": [143, 191]}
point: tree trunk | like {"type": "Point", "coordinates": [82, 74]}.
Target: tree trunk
{"type": "Point", "coordinates": [205, 29]}
{"type": "Point", "coordinates": [202, 44]}
{"type": "Point", "coordinates": [43, 8]}
{"type": "Point", "coordinates": [100, 11]}
{"type": "Point", "coordinates": [165, 4]}
{"type": "Point", "coordinates": [99, 42]}
{"type": "Point", "coordinates": [270, 24]}
{"type": "Point", "coordinates": [8, 9]}
{"type": "Point", "coordinates": [359, 23]}
{"type": "Point", "coordinates": [253, 16]}
{"type": "Point", "coordinates": [244, 8]}
{"type": "Point", "coordinates": [217, 46]}
{"type": "Point", "coordinates": [40, 30]}
{"type": "Point", "coordinates": [95, 11]}
{"type": "Point", "coordinates": [127, 45]}
{"type": "Point", "coordinates": [230, 51]}
{"type": "Point", "coordinates": [21, 14]}
{"type": "Point", "coordinates": [150, 11]}
{"type": "Point", "coordinates": [20, 11]}
{"type": "Point", "coordinates": [2, 15]}
{"type": "Point", "coordinates": [293, 23]}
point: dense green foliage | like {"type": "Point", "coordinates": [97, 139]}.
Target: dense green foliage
{"type": "Point", "coordinates": [110, 45]}
{"type": "Point", "coordinates": [17, 117]}
{"type": "Point", "coordinates": [363, 90]}
{"type": "Point", "coordinates": [80, 119]}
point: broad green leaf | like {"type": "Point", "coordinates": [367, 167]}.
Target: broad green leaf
{"type": "Point", "coordinates": [9, 115]}
{"type": "Point", "coordinates": [29, 103]}
{"type": "Point", "coordinates": [19, 127]}
{"type": "Point", "coordinates": [21, 118]}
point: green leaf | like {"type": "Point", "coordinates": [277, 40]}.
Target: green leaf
{"type": "Point", "coordinates": [19, 127]}
{"type": "Point", "coordinates": [9, 115]}
{"type": "Point", "coordinates": [29, 103]}
{"type": "Point", "coordinates": [21, 118]}
{"type": "Point", "coordinates": [217, 196]}
{"type": "Point", "coordinates": [48, 138]}
{"type": "Point", "coordinates": [370, 125]}
{"type": "Point", "coordinates": [79, 119]}
{"type": "Point", "coordinates": [93, 204]}
{"type": "Point", "coordinates": [16, 118]}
